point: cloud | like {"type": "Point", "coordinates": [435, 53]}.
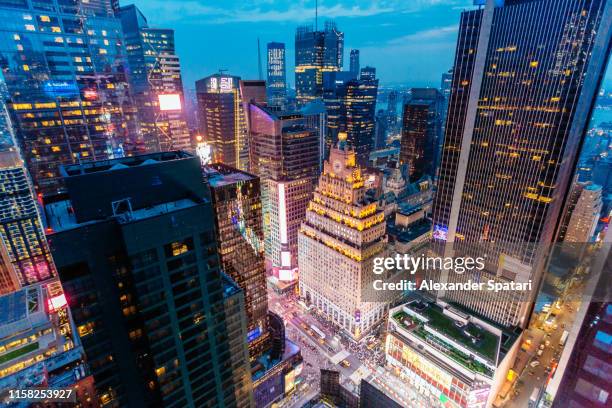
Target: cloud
{"type": "Point", "coordinates": [258, 11]}
{"type": "Point", "coordinates": [425, 35]}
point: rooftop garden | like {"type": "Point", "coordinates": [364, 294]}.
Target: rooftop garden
{"type": "Point", "coordinates": [11, 355]}
{"type": "Point", "coordinates": [485, 343]}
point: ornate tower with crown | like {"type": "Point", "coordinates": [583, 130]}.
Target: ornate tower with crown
{"type": "Point", "coordinates": [342, 234]}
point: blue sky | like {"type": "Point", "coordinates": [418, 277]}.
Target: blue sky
{"type": "Point", "coordinates": [408, 41]}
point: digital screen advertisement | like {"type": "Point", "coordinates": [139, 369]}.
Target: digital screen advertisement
{"type": "Point", "coordinates": [305, 204]}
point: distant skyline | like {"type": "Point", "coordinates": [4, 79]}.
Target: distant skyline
{"type": "Point", "coordinates": [408, 42]}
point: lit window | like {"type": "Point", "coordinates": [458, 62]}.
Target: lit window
{"type": "Point", "coordinates": [16, 37]}
{"type": "Point", "coordinates": [30, 27]}
{"type": "Point", "coordinates": [102, 51]}
{"type": "Point", "coordinates": [26, 67]}
{"type": "Point", "coordinates": [533, 64]}
{"type": "Point", "coordinates": [46, 19]}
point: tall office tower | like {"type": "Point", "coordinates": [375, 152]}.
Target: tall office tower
{"type": "Point", "coordinates": [155, 79]}
{"type": "Point", "coordinates": [316, 52]}
{"type": "Point", "coordinates": [360, 108]}
{"type": "Point", "coordinates": [20, 224]}
{"type": "Point", "coordinates": [222, 119]}
{"type": "Point", "coordinates": [354, 68]}
{"type": "Point", "coordinates": [277, 74]}
{"type": "Point", "coordinates": [337, 242]}
{"type": "Point", "coordinates": [135, 247]}
{"type": "Point", "coordinates": [422, 132]}
{"type": "Point", "coordinates": [315, 116]}
{"type": "Point", "coordinates": [446, 84]}
{"type": "Point", "coordinates": [367, 73]}
{"type": "Point", "coordinates": [392, 101]}
{"type": "Point", "coordinates": [236, 200]}
{"type": "Point", "coordinates": [285, 155]}
{"type": "Point", "coordinates": [40, 346]}
{"type": "Point", "coordinates": [585, 379]}
{"type": "Point", "coordinates": [519, 108]}
{"type": "Point", "coordinates": [64, 66]}
{"type": "Point", "coordinates": [251, 91]}
{"type": "Point", "coordinates": [382, 126]}
{"type": "Point", "coordinates": [585, 215]}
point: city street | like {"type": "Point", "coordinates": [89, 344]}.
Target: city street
{"type": "Point", "coordinates": [353, 360]}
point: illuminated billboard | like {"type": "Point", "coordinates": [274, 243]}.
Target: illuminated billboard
{"type": "Point", "coordinates": [169, 102]}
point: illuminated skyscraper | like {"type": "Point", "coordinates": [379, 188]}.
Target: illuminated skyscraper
{"type": "Point", "coordinates": [155, 78]}
{"type": "Point", "coordinates": [285, 154]}
{"type": "Point", "coordinates": [64, 66]}
{"type": "Point", "coordinates": [135, 247]}
{"type": "Point", "coordinates": [236, 200]}
{"type": "Point", "coordinates": [222, 119]}
{"type": "Point", "coordinates": [421, 132]}
{"type": "Point", "coordinates": [277, 74]}
{"type": "Point", "coordinates": [354, 64]}
{"type": "Point", "coordinates": [351, 109]}
{"type": "Point", "coordinates": [525, 80]}
{"type": "Point", "coordinates": [316, 52]}
{"type": "Point", "coordinates": [342, 234]}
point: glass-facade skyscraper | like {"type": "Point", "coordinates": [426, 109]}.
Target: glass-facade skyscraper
{"type": "Point", "coordinates": [525, 79]}
{"type": "Point", "coordinates": [65, 70]}
{"type": "Point", "coordinates": [223, 120]}
{"type": "Point", "coordinates": [421, 132]}
{"type": "Point", "coordinates": [155, 78]}
{"type": "Point", "coordinates": [277, 74]}
{"type": "Point", "coordinates": [354, 67]}
{"type": "Point", "coordinates": [316, 52]}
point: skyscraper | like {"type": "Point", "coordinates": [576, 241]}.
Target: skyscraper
{"type": "Point", "coordinates": [360, 105]}
{"type": "Point", "coordinates": [519, 108]}
{"type": "Point", "coordinates": [236, 200]}
{"type": "Point", "coordinates": [585, 215]}
{"type": "Point", "coordinates": [421, 132]}
{"type": "Point", "coordinates": [351, 109]}
{"type": "Point", "coordinates": [155, 79]}
{"type": "Point", "coordinates": [135, 247]}
{"type": "Point", "coordinates": [382, 126]}
{"type": "Point", "coordinates": [392, 101]}
{"type": "Point", "coordinates": [337, 242]}
{"type": "Point", "coordinates": [285, 154]}
{"type": "Point", "coordinates": [354, 64]}
{"type": "Point", "coordinates": [222, 119]}
{"type": "Point", "coordinates": [64, 67]}
{"type": "Point", "coordinates": [277, 74]}
{"type": "Point", "coordinates": [316, 52]}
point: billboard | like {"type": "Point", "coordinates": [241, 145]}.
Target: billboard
{"type": "Point", "coordinates": [169, 102]}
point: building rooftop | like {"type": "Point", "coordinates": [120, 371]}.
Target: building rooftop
{"type": "Point", "coordinates": [60, 215]}
{"type": "Point", "coordinates": [430, 323]}
{"type": "Point", "coordinates": [122, 163]}
{"type": "Point", "coordinates": [21, 310]}
{"type": "Point", "coordinates": [219, 175]}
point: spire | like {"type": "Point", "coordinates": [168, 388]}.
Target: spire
{"type": "Point", "coordinates": [259, 59]}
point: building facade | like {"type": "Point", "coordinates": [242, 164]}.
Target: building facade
{"type": "Point", "coordinates": [337, 242]}
{"type": "Point", "coordinates": [236, 199]}
{"type": "Point", "coordinates": [65, 71]}
{"type": "Point", "coordinates": [316, 52]}
{"type": "Point", "coordinates": [500, 193]}
{"type": "Point", "coordinates": [155, 79]}
{"type": "Point", "coordinates": [422, 132]}
{"type": "Point", "coordinates": [222, 119]}
{"type": "Point", "coordinates": [277, 74]}
{"type": "Point", "coordinates": [285, 154]}
{"type": "Point", "coordinates": [354, 68]}
{"type": "Point", "coordinates": [135, 247]}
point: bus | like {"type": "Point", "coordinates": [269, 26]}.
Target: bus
{"type": "Point", "coordinates": [563, 338]}
{"type": "Point", "coordinates": [318, 331]}
{"type": "Point", "coordinates": [533, 400]}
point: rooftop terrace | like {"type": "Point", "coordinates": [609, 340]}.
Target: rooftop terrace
{"type": "Point", "coordinates": [427, 317]}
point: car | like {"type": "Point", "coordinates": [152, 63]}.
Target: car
{"type": "Point", "coordinates": [345, 363]}
{"type": "Point", "coordinates": [534, 364]}
{"type": "Point", "coordinates": [321, 341]}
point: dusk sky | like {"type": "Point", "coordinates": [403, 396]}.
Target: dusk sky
{"type": "Point", "coordinates": [408, 41]}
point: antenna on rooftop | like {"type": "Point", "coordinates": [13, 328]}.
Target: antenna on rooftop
{"type": "Point", "coordinates": [259, 59]}
{"type": "Point", "coordinates": [316, 15]}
